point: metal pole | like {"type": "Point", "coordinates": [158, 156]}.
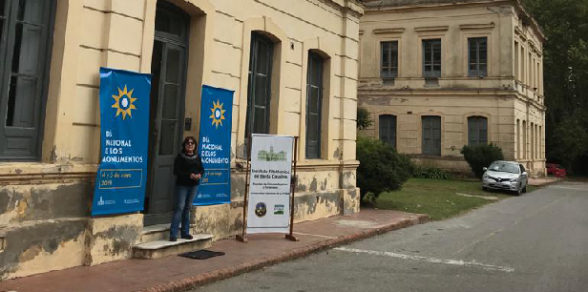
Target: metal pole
{"type": "Point", "coordinates": [241, 237]}
{"type": "Point", "coordinates": [291, 236]}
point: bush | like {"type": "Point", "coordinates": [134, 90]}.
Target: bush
{"type": "Point", "coordinates": [381, 168]}
{"type": "Point", "coordinates": [481, 156]}
{"type": "Point", "coordinates": [431, 173]}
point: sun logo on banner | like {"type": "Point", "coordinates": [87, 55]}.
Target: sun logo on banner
{"type": "Point", "coordinates": [124, 102]}
{"type": "Point", "coordinates": [218, 113]}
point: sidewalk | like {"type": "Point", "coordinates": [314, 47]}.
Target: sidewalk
{"type": "Point", "coordinates": [544, 181]}
{"type": "Point", "coordinates": [176, 273]}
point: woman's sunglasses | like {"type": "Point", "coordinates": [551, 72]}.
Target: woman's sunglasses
{"type": "Point", "coordinates": [191, 143]}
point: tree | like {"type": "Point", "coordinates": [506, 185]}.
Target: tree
{"type": "Point", "coordinates": [565, 24]}
{"type": "Point", "coordinates": [363, 118]}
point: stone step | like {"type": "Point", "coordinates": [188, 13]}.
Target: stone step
{"type": "Point", "coordinates": [157, 232]}
{"type": "Point", "coordinates": [162, 248]}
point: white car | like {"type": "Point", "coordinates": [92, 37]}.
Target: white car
{"type": "Point", "coordinates": [505, 175]}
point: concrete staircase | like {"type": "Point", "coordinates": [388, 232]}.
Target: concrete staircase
{"type": "Point", "coordinates": [154, 243]}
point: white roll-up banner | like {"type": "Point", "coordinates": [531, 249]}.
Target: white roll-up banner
{"type": "Point", "coordinates": [268, 209]}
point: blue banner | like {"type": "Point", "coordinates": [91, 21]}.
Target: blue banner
{"type": "Point", "coordinates": [124, 126]}
{"type": "Point", "coordinates": [216, 114]}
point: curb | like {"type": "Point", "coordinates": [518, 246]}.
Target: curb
{"type": "Point", "coordinates": [548, 183]}
{"type": "Point", "coordinates": [210, 277]}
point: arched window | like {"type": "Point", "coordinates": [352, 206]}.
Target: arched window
{"type": "Point", "coordinates": [25, 26]}
{"type": "Point", "coordinates": [477, 131]}
{"type": "Point", "coordinates": [388, 129]}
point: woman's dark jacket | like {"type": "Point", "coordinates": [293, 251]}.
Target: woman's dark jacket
{"type": "Point", "coordinates": [184, 165]}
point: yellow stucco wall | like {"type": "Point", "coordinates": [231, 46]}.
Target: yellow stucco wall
{"type": "Point", "coordinates": [119, 34]}
{"type": "Point", "coordinates": [502, 97]}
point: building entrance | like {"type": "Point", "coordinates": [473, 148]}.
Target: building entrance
{"type": "Point", "coordinates": [168, 69]}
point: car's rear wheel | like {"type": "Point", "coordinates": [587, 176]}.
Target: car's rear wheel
{"type": "Point", "coordinates": [525, 189]}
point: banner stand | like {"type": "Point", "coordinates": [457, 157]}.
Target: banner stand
{"type": "Point", "coordinates": [290, 236]}
{"type": "Point", "coordinates": [241, 237]}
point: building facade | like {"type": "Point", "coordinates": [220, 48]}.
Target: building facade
{"type": "Point", "coordinates": [438, 75]}
{"type": "Point", "coordinates": [293, 69]}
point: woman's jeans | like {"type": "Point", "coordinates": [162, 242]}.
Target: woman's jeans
{"type": "Point", "coordinates": [183, 199]}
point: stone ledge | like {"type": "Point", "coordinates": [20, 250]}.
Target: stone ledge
{"type": "Point", "coordinates": [162, 248]}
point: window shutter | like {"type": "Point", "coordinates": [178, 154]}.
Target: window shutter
{"type": "Point", "coordinates": [314, 105]}
{"type": "Point", "coordinates": [383, 129]}
{"type": "Point", "coordinates": [477, 56]}
{"type": "Point", "coordinates": [24, 49]}
{"type": "Point", "coordinates": [393, 131]}
{"type": "Point", "coordinates": [437, 135]}
{"type": "Point", "coordinates": [483, 136]}
{"type": "Point", "coordinates": [431, 135]}
{"type": "Point", "coordinates": [432, 58]}
{"type": "Point", "coordinates": [472, 132]}
{"type": "Point", "coordinates": [388, 129]}
{"type": "Point", "coordinates": [477, 131]}
{"type": "Point", "coordinates": [427, 135]}
{"type": "Point", "coordinates": [259, 87]}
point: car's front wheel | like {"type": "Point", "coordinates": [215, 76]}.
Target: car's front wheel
{"type": "Point", "coordinates": [519, 191]}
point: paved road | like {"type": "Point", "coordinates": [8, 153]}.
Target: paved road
{"type": "Point", "coordinates": [537, 242]}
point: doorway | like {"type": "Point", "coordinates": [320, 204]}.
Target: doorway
{"type": "Point", "coordinates": [168, 69]}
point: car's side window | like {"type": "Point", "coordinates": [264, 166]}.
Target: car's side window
{"type": "Point", "coordinates": [522, 168]}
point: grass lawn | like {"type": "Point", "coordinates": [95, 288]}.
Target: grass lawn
{"type": "Point", "coordinates": [439, 199]}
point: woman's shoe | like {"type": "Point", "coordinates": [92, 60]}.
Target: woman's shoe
{"type": "Point", "coordinates": [187, 236]}
{"type": "Point", "coordinates": [173, 239]}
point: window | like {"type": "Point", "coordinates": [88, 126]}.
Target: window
{"type": "Point", "coordinates": [314, 94]}
{"type": "Point", "coordinates": [389, 59]}
{"type": "Point", "coordinates": [522, 64]}
{"type": "Point", "coordinates": [478, 57]}
{"type": "Point", "coordinates": [259, 86]}
{"type": "Point", "coordinates": [431, 135]}
{"type": "Point", "coordinates": [477, 131]}
{"type": "Point", "coordinates": [516, 61]}
{"type": "Point", "coordinates": [537, 76]}
{"type": "Point", "coordinates": [388, 129]}
{"type": "Point", "coordinates": [24, 54]}
{"type": "Point", "coordinates": [540, 142]}
{"type": "Point", "coordinates": [524, 130]}
{"type": "Point", "coordinates": [530, 69]}
{"type": "Point", "coordinates": [532, 141]}
{"type": "Point", "coordinates": [432, 58]}
{"type": "Point", "coordinates": [518, 140]}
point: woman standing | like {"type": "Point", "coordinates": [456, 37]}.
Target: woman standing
{"type": "Point", "coordinates": [188, 170]}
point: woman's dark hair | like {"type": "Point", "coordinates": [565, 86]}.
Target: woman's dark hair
{"type": "Point", "coordinates": [188, 139]}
